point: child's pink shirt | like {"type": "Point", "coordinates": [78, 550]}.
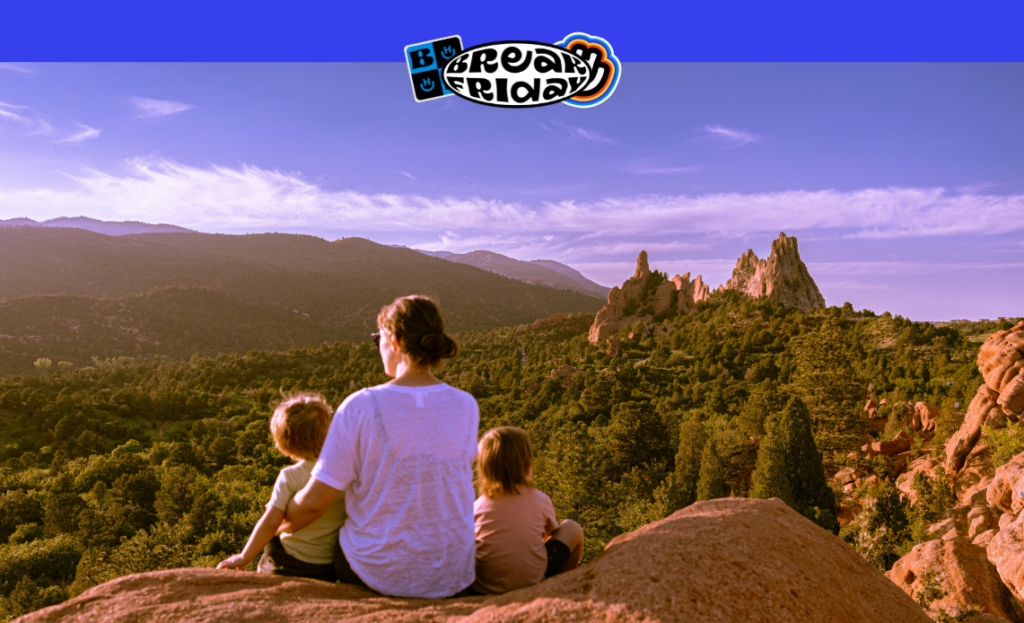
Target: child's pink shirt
{"type": "Point", "coordinates": [510, 531]}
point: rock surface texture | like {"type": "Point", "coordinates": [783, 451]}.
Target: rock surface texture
{"type": "Point", "coordinates": [1006, 551]}
{"type": "Point", "coordinates": [963, 572]}
{"type": "Point", "coordinates": [783, 276]}
{"type": "Point", "coordinates": [728, 560]}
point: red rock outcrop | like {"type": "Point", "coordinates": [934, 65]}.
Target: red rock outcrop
{"type": "Point", "coordinates": [905, 482]}
{"type": "Point", "coordinates": [925, 417]}
{"type": "Point", "coordinates": [1001, 396]}
{"type": "Point", "coordinates": [783, 276]}
{"type": "Point", "coordinates": [730, 560]}
{"type": "Point", "coordinates": [976, 472]}
{"type": "Point", "coordinates": [1001, 361]}
{"type": "Point", "coordinates": [982, 410]}
{"type": "Point", "coordinates": [989, 507]}
{"type": "Point", "coordinates": [564, 374]}
{"type": "Point", "coordinates": [963, 572]}
{"type": "Point", "coordinates": [616, 314]}
{"type": "Point", "coordinates": [1007, 484]}
{"type": "Point", "coordinates": [900, 443]}
{"type": "Point", "coordinates": [1006, 551]}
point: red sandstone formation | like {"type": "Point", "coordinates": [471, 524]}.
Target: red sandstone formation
{"type": "Point", "coordinates": [616, 314]}
{"type": "Point", "coordinates": [1001, 396]}
{"type": "Point", "coordinates": [783, 276]}
{"type": "Point", "coordinates": [989, 515]}
{"type": "Point", "coordinates": [963, 572]}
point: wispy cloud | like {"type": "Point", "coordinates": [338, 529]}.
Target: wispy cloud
{"type": "Point", "coordinates": [904, 267]}
{"type": "Point", "coordinates": [731, 138]}
{"type": "Point", "coordinates": [6, 112]}
{"type": "Point", "coordinates": [407, 174]}
{"type": "Point", "coordinates": [150, 108]}
{"type": "Point", "coordinates": [84, 133]}
{"type": "Point", "coordinates": [850, 284]}
{"type": "Point", "coordinates": [658, 166]}
{"type": "Point", "coordinates": [218, 198]}
{"type": "Point", "coordinates": [34, 123]}
{"type": "Point", "coordinates": [569, 133]}
{"type": "Point", "coordinates": [18, 68]}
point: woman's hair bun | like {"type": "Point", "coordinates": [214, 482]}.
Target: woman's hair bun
{"type": "Point", "coordinates": [417, 324]}
{"type": "Point", "coordinates": [438, 343]}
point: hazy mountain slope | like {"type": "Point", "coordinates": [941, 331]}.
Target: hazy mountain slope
{"type": "Point", "coordinates": [529, 272]}
{"type": "Point", "coordinates": [109, 228]}
{"type": "Point", "coordinates": [173, 321]}
{"type": "Point", "coordinates": [575, 275]}
{"type": "Point", "coordinates": [339, 285]}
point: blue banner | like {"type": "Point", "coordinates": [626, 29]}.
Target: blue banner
{"type": "Point", "coordinates": [345, 31]}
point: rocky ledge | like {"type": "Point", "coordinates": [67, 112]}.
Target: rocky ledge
{"type": "Point", "coordinates": [730, 560]}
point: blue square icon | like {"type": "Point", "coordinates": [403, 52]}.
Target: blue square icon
{"type": "Point", "coordinates": [426, 61]}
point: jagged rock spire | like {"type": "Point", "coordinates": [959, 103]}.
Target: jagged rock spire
{"type": "Point", "coordinates": [783, 276]}
{"type": "Point", "coordinates": [643, 269]}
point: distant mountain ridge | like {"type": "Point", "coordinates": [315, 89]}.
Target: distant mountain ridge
{"type": "Point", "coordinates": [538, 272]}
{"type": "Point", "coordinates": [108, 228]}
{"type": "Point", "coordinates": [573, 274]}
{"type": "Point", "coordinates": [259, 289]}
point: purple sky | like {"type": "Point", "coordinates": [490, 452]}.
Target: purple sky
{"type": "Point", "coordinates": [902, 182]}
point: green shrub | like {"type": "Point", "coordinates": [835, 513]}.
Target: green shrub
{"type": "Point", "coordinates": [56, 558]}
{"type": "Point", "coordinates": [1006, 443]}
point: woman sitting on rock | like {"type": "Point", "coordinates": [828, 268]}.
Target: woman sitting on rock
{"type": "Point", "coordinates": [402, 453]}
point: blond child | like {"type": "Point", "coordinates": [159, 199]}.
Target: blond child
{"type": "Point", "coordinates": [519, 542]}
{"type": "Point", "coordinates": [299, 426]}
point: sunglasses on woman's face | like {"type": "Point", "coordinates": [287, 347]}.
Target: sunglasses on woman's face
{"type": "Point", "coordinates": [376, 339]}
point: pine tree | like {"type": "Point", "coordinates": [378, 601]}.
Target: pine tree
{"type": "Point", "coordinates": [789, 467]}
{"type": "Point", "coordinates": [682, 485]}
{"type": "Point", "coordinates": [887, 528]}
{"type": "Point", "coordinates": [712, 475]}
{"type": "Point", "coordinates": [763, 401]}
{"type": "Point", "coordinates": [637, 436]}
{"type": "Point", "coordinates": [825, 380]}
{"type": "Point", "coordinates": [811, 494]}
{"type": "Point", "coordinates": [771, 477]}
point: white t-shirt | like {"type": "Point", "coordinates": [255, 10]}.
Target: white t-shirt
{"type": "Point", "coordinates": [404, 458]}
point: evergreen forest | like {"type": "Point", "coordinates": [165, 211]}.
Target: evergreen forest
{"type": "Point", "coordinates": [112, 465]}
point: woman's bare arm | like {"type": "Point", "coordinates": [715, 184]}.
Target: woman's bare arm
{"type": "Point", "coordinates": [307, 505]}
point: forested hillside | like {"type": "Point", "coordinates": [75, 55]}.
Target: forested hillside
{"type": "Point", "coordinates": [175, 294]}
{"type": "Point", "coordinates": [121, 466]}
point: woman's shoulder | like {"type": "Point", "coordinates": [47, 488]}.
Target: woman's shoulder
{"type": "Point", "coordinates": [463, 395]}
{"type": "Point", "coordinates": [450, 392]}
{"type": "Point", "coordinates": [357, 402]}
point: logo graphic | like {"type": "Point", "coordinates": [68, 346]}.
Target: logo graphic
{"type": "Point", "coordinates": [516, 74]}
{"type": "Point", "coordinates": [605, 68]}
{"type": "Point", "coordinates": [581, 71]}
{"type": "Point", "coordinates": [426, 62]}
